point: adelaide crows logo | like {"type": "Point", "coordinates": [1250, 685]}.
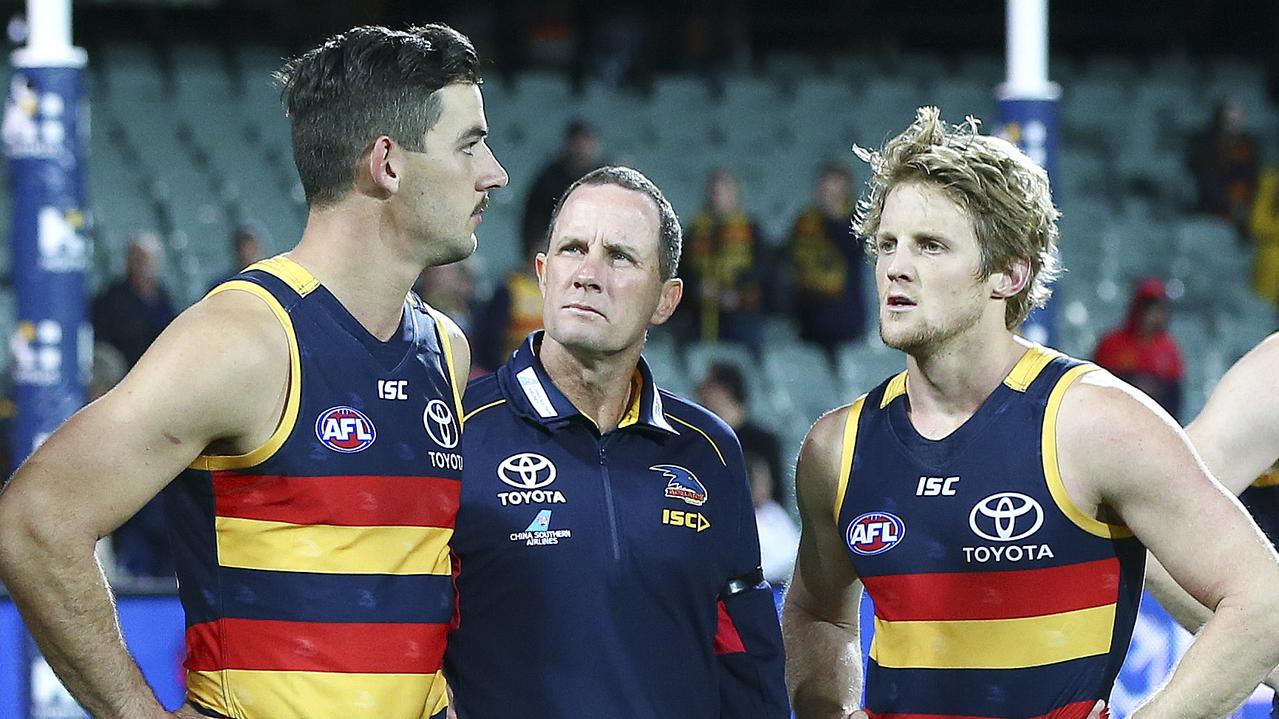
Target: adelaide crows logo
{"type": "Point", "coordinates": [682, 484]}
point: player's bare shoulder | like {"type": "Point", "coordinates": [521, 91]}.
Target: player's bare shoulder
{"type": "Point", "coordinates": [220, 370]}
{"type": "Point", "coordinates": [1110, 435]}
{"type": "Point", "coordinates": [1100, 406]}
{"type": "Point", "coordinates": [820, 457]}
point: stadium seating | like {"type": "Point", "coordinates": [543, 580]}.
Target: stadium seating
{"type": "Point", "coordinates": [189, 140]}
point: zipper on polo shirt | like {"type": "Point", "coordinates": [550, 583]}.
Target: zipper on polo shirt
{"type": "Point", "coordinates": [608, 502]}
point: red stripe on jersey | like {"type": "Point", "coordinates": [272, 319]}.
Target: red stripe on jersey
{"type": "Point", "coordinates": [359, 648]}
{"type": "Point", "coordinates": [1077, 710]}
{"type": "Point", "coordinates": [727, 640]}
{"type": "Point", "coordinates": [352, 501]}
{"type": "Point", "coordinates": [947, 596]}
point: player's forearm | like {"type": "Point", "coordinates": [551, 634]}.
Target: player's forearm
{"type": "Point", "coordinates": [1187, 610]}
{"type": "Point", "coordinates": [823, 665]}
{"type": "Point", "coordinates": [62, 594]}
{"type": "Point", "coordinates": [1231, 638]}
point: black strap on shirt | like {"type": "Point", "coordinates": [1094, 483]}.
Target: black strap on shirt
{"type": "Point", "coordinates": [744, 583]}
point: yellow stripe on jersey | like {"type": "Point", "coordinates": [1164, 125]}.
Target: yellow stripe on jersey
{"type": "Point", "coordinates": [896, 388]}
{"type": "Point", "coordinates": [635, 399]}
{"type": "Point", "coordinates": [481, 408]}
{"type": "Point", "coordinates": [707, 437]}
{"type": "Point", "coordinates": [994, 643]}
{"type": "Point", "coordinates": [1035, 359]}
{"type": "Point", "coordinates": [1052, 469]}
{"type": "Point", "coordinates": [1269, 479]}
{"type": "Point", "coordinates": [446, 343]}
{"type": "Point", "coordinates": [294, 398]}
{"type": "Point", "coordinates": [846, 452]}
{"type": "Point", "coordinates": [329, 549]}
{"type": "Point", "coordinates": [246, 694]}
{"type": "Point", "coordinates": [289, 272]}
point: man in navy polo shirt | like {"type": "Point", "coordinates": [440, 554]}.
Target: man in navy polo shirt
{"type": "Point", "coordinates": [609, 561]}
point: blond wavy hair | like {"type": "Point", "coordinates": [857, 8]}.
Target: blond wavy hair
{"type": "Point", "coordinates": [1004, 192]}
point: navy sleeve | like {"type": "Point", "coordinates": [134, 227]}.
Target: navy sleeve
{"type": "Point", "coordinates": [748, 642]}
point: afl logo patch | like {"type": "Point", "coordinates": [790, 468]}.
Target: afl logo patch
{"type": "Point", "coordinates": [875, 533]}
{"type": "Point", "coordinates": [345, 429]}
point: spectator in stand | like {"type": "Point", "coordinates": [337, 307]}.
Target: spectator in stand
{"type": "Point", "coordinates": [451, 289]}
{"type": "Point", "coordinates": [1225, 163]}
{"type": "Point", "coordinates": [826, 261]}
{"type": "Point", "coordinates": [132, 311]}
{"type": "Point", "coordinates": [724, 279]}
{"type": "Point", "coordinates": [579, 154]}
{"type": "Point", "coordinates": [1263, 226]}
{"type": "Point", "coordinates": [723, 391]}
{"type": "Point", "coordinates": [1142, 352]}
{"type": "Point", "coordinates": [247, 242]}
{"type": "Point", "coordinates": [778, 533]}
{"type": "Point", "coordinates": [510, 314]}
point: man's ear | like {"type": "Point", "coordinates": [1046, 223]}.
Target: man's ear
{"type": "Point", "coordinates": [379, 169]}
{"type": "Point", "coordinates": [1010, 282]}
{"type": "Point", "coordinates": [672, 292]}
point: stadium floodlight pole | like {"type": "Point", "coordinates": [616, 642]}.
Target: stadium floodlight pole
{"type": "Point", "coordinates": [45, 141]}
{"type": "Point", "coordinates": [1028, 111]}
{"type": "Point", "coordinates": [1026, 53]}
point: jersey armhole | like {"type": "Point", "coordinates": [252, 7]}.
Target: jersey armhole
{"type": "Point", "coordinates": [848, 446]}
{"type": "Point", "coordinates": [288, 418]}
{"type": "Point", "coordinates": [1052, 467]}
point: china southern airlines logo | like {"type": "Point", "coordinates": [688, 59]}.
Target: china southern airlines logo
{"type": "Point", "coordinates": [1006, 517]}
{"type": "Point", "coordinates": [682, 484]}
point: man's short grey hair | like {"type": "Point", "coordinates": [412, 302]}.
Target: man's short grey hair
{"type": "Point", "coordinates": [670, 235]}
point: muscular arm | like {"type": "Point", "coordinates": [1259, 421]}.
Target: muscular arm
{"type": "Point", "coordinates": [1237, 433]}
{"type": "Point", "coordinates": [1120, 451]}
{"type": "Point", "coordinates": [1237, 436]}
{"type": "Point", "coordinates": [217, 375]}
{"type": "Point", "coordinates": [820, 614]}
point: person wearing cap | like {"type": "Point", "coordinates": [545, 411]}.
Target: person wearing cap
{"type": "Point", "coordinates": [1143, 352]}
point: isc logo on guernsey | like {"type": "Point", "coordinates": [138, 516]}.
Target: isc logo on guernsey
{"type": "Point", "coordinates": [875, 533]}
{"type": "Point", "coordinates": [345, 429]}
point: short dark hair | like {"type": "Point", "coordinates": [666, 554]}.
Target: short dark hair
{"type": "Point", "coordinates": [362, 83]}
{"type": "Point", "coordinates": [670, 235]}
{"type": "Point", "coordinates": [729, 376]}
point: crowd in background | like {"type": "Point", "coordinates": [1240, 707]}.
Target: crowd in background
{"type": "Point", "coordinates": [816, 277]}
{"type": "Point", "coordinates": [735, 277]}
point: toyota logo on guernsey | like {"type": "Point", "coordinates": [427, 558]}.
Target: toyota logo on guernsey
{"type": "Point", "coordinates": [528, 473]}
{"type": "Point", "coordinates": [345, 429]}
{"type": "Point", "coordinates": [438, 419]}
{"type": "Point", "coordinates": [875, 533]}
{"type": "Point", "coordinates": [1006, 517]}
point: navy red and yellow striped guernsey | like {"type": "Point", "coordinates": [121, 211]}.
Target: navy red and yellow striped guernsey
{"type": "Point", "coordinates": [994, 595]}
{"type": "Point", "coordinates": [315, 571]}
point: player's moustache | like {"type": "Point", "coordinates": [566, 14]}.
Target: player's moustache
{"type": "Point", "coordinates": [482, 206]}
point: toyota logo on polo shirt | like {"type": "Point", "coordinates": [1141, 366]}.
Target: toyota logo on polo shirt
{"type": "Point", "coordinates": [526, 470]}
{"type": "Point", "coordinates": [438, 420]}
{"type": "Point", "coordinates": [1006, 517]}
